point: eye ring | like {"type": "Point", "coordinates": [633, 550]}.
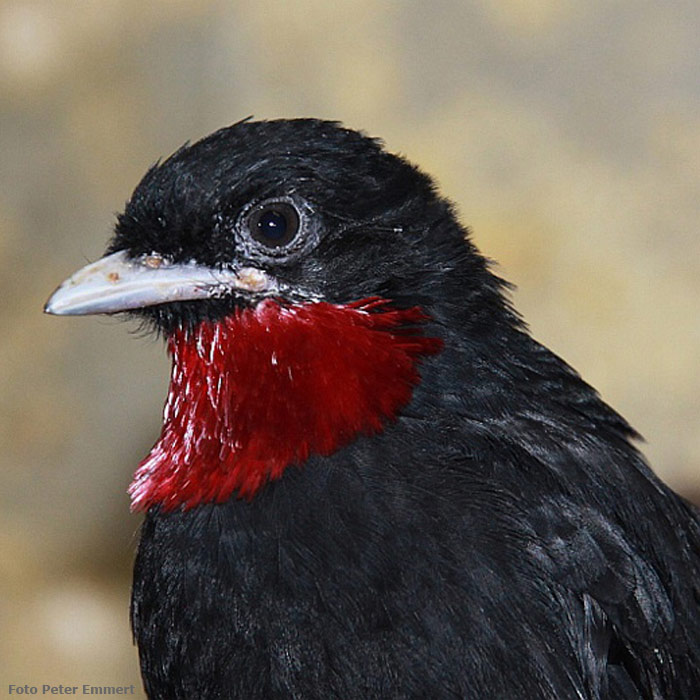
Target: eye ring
{"type": "Point", "coordinates": [274, 224]}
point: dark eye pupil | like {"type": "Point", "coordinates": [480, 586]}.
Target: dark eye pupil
{"type": "Point", "coordinates": [273, 225]}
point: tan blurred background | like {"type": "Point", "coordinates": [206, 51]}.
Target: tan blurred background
{"type": "Point", "coordinates": [567, 132]}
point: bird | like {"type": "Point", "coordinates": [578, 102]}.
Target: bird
{"type": "Point", "coordinates": [371, 480]}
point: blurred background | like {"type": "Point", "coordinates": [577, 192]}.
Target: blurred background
{"type": "Point", "coordinates": [568, 133]}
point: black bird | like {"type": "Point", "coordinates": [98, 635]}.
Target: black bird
{"type": "Point", "coordinates": [371, 481]}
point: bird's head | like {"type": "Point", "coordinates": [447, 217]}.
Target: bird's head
{"type": "Point", "coordinates": [291, 264]}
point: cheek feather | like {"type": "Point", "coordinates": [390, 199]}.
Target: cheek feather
{"type": "Point", "coordinates": [265, 388]}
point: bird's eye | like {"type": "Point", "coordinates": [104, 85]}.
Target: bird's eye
{"type": "Point", "coordinates": [274, 224]}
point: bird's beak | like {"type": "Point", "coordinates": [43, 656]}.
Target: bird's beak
{"type": "Point", "coordinates": [118, 283]}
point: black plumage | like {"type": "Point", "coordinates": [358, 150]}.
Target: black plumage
{"type": "Point", "coordinates": [502, 538]}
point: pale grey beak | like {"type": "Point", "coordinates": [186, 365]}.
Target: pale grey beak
{"type": "Point", "coordinates": [118, 283]}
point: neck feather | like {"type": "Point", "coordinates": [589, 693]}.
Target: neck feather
{"type": "Point", "coordinates": [265, 388]}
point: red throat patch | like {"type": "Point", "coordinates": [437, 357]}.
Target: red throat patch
{"type": "Point", "coordinates": [265, 388]}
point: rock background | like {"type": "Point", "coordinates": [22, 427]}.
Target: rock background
{"type": "Point", "coordinates": [567, 132]}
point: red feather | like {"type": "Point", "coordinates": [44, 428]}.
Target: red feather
{"type": "Point", "coordinates": [265, 388]}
